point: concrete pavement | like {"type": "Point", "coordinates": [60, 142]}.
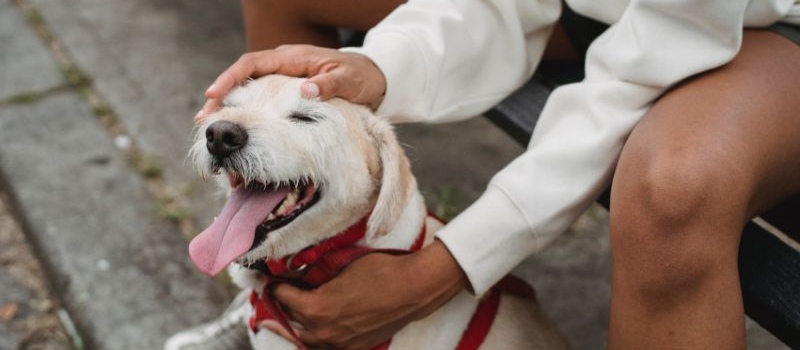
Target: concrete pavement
{"type": "Point", "coordinates": [96, 100]}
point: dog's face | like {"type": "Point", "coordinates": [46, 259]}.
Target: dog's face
{"type": "Point", "coordinates": [299, 170]}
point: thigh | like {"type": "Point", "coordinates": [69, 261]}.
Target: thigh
{"type": "Point", "coordinates": [271, 23]}
{"type": "Point", "coordinates": [354, 14]}
{"type": "Point", "coordinates": [741, 120]}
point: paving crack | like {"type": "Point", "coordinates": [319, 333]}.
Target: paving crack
{"type": "Point", "coordinates": [168, 202]}
{"type": "Point", "coordinates": [29, 97]}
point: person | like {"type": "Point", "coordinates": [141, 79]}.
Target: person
{"type": "Point", "coordinates": [688, 105]}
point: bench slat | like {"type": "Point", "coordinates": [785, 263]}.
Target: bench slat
{"type": "Point", "coordinates": [769, 272]}
{"type": "Point", "coordinates": [786, 217]}
{"type": "Point", "coordinates": [518, 113]}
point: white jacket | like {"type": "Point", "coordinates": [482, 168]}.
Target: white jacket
{"type": "Point", "coordinates": [447, 60]}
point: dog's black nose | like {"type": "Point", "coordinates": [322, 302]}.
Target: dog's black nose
{"type": "Point", "coordinates": [223, 137]}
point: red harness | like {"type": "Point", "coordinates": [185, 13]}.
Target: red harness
{"type": "Point", "coordinates": [320, 263]}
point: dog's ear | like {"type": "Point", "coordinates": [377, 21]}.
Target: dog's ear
{"type": "Point", "coordinates": [395, 178]}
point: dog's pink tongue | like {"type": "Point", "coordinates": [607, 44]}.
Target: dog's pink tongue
{"type": "Point", "coordinates": [232, 233]}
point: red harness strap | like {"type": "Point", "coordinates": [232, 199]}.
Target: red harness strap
{"type": "Point", "coordinates": [317, 265]}
{"type": "Point", "coordinates": [485, 313]}
{"type": "Point", "coordinates": [311, 268]}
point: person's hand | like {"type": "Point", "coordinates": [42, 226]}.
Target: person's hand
{"type": "Point", "coordinates": [373, 298]}
{"type": "Point", "coordinates": [331, 73]}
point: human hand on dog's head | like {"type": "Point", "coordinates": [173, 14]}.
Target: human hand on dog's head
{"type": "Point", "coordinates": [331, 73]}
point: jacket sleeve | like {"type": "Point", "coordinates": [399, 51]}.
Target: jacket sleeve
{"type": "Point", "coordinates": [447, 60]}
{"type": "Point", "coordinates": [576, 144]}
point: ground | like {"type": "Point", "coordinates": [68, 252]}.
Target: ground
{"type": "Point", "coordinates": [28, 312]}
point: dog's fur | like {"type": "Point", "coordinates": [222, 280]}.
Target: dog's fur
{"type": "Point", "coordinates": [356, 162]}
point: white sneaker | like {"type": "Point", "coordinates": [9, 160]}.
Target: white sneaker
{"type": "Point", "coordinates": [226, 332]}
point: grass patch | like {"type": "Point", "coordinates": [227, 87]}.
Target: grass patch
{"type": "Point", "coordinates": [33, 16]}
{"type": "Point", "coordinates": [448, 201]}
{"type": "Point", "coordinates": [147, 165]}
{"type": "Point", "coordinates": [74, 76]}
{"type": "Point", "coordinates": [32, 96]}
{"type": "Point", "coordinates": [169, 209]}
{"type": "Point", "coordinates": [26, 97]}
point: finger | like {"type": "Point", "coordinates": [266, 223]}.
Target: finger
{"type": "Point", "coordinates": [199, 117]}
{"type": "Point", "coordinates": [233, 76]}
{"type": "Point", "coordinates": [358, 82]}
{"type": "Point", "coordinates": [309, 90]}
{"type": "Point", "coordinates": [249, 64]}
{"type": "Point", "coordinates": [209, 107]}
{"type": "Point", "coordinates": [252, 64]}
{"type": "Point", "coordinates": [293, 60]}
{"type": "Point", "coordinates": [327, 86]}
{"type": "Point", "coordinates": [310, 339]}
{"type": "Point", "coordinates": [292, 297]}
{"type": "Point", "coordinates": [212, 105]}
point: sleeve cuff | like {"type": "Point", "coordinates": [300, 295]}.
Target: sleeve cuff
{"type": "Point", "coordinates": [489, 239]}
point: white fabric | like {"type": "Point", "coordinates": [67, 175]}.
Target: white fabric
{"type": "Point", "coordinates": [446, 60]}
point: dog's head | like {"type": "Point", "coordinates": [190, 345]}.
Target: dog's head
{"type": "Point", "coordinates": [299, 171]}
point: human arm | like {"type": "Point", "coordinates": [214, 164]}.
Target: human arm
{"type": "Point", "coordinates": [653, 46]}
{"type": "Point", "coordinates": [450, 60]}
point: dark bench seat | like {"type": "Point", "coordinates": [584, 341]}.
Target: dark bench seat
{"type": "Point", "coordinates": [769, 268]}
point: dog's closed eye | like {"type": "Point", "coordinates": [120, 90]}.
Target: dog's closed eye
{"type": "Point", "coordinates": [302, 117]}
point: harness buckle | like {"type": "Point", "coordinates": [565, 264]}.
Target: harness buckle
{"type": "Point", "coordinates": [294, 272]}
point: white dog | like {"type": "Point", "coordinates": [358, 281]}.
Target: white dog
{"type": "Point", "coordinates": [302, 172]}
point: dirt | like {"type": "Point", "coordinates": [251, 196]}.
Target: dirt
{"type": "Point", "coordinates": [28, 312]}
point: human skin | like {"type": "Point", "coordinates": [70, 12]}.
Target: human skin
{"type": "Point", "coordinates": [712, 153]}
{"type": "Point", "coordinates": [699, 165]}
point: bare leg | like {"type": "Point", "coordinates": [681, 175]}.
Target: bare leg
{"type": "Point", "coordinates": [271, 23]}
{"type": "Point", "coordinates": [711, 154]}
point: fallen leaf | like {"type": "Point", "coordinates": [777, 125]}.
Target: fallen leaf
{"type": "Point", "coordinates": [8, 311]}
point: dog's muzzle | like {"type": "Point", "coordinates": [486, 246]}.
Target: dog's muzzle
{"type": "Point", "coordinates": [224, 137]}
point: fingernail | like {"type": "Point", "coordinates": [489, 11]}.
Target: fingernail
{"type": "Point", "coordinates": [210, 88]}
{"type": "Point", "coordinates": [199, 116]}
{"type": "Point", "coordinates": [309, 90]}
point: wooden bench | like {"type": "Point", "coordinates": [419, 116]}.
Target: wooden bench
{"type": "Point", "coordinates": [769, 268]}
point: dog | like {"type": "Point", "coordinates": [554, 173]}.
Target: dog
{"type": "Point", "coordinates": [302, 173]}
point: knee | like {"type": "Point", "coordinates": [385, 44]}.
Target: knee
{"type": "Point", "coordinates": [664, 210]}
{"type": "Point", "coordinates": [663, 190]}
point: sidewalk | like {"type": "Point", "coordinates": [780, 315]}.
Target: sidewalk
{"type": "Point", "coordinates": [29, 315]}
{"type": "Point", "coordinates": [96, 102]}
